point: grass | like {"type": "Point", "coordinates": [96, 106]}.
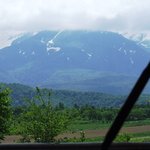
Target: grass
{"type": "Point", "coordinates": [137, 123]}
{"type": "Point", "coordinates": [140, 139]}
{"type": "Point", "coordinates": [88, 140]}
{"type": "Point", "coordinates": [78, 125]}
{"type": "Point", "coordinates": [136, 137]}
{"type": "Point", "coordinates": [94, 125]}
{"type": "Point", "coordinates": [88, 125]}
{"type": "Point", "coordinates": [144, 134]}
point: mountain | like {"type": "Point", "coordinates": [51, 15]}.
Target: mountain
{"type": "Point", "coordinates": [142, 39]}
{"type": "Point", "coordinates": [78, 60]}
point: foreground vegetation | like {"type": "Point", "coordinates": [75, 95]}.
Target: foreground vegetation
{"type": "Point", "coordinates": [5, 112]}
{"type": "Point", "coordinates": [82, 118]}
{"type": "Point", "coordinates": [40, 121]}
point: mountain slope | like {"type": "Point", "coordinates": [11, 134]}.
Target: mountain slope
{"type": "Point", "coordinates": [142, 39]}
{"type": "Point", "coordinates": [63, 59]}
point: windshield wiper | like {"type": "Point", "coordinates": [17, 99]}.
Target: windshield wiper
{"type": "Point", "coordinates": [126, 108]}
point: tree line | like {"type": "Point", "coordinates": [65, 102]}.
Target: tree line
{"type": "Point", "coordinates": [68, 98]}
{"type": "Point", "coordinates": [38, 119]}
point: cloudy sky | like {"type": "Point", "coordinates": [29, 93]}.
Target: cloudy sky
{"type": "Point", "coordinates": [18, 16]}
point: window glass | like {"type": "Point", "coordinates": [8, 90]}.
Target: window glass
{"type": "Point", "coordinates": [67, 67]}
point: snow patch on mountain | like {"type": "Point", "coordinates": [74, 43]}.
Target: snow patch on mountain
{"type": "Point", "coordinates": [56, 49]}
{"type": "Point", "coordinates": [52, 40]}
{"type": "Point", "coordinates": [125, 52]}
{"type": "Point", "coordinates": [128, 53]}
{"type": "Point", "coordinates": [7, 39]}
{"type": "Point", "coordinates": [145, 45]}
{"type": "Point", "coordinates": [33, 53]}
{"type": "Point", "coordinates": [120, 49]}
{"type": "Point", "coordinates": [68, 58]}
{"type": "Point", "coordinates": [50, 44]}
{"type": "Point", "coordinates": [23, 53]}
{"type": "Point", "coordinates": [131, 60]}
{"type": "Point", "coordinates": [140, 38]}
{"type": "Point", "coordinates": [42, 41]}
{"type": "Point", "coordinates": [89, 55]}
{"type": "Point", "coordinates": [20, 51]}
{"type": "Point", "coordinates": [132, 51]}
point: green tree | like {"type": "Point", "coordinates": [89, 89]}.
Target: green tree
{"type": "Point", "coordinates": [60, 106]}
{"type": "Point", "coordinates": [5, 112]}
{"type": "Point", "coordinates": [137, 114]}
{"type": "Point", "coordinates": [42, 121]}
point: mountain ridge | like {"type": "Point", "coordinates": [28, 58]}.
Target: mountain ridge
{"type": "Point", "coordinates": [37, 59]}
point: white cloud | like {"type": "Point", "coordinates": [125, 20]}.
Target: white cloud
{"type": "Point", "coordinates": [33, 15]}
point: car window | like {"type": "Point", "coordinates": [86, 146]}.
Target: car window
{"type": "Point", "coordinates": [67, 68]}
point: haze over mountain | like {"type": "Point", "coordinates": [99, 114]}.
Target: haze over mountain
{"type": "Point", "coordinates": [77, 60]}
{"type": "Point", "coordinates": [140, 38]}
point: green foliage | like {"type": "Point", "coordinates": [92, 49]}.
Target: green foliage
{"type": "Point", "coordinates": [141, 139]}
{"type": "Point", "coordinates": [5, 112]}
{"type": "Point", "coordinates": [82, 138]}
{"type": "Point", "coordinates": [45, 114]}
{"type": "Point", "coordinates": [82, 134]}
{"type": "Point", "coordinates": [123, 138]}
{"type": "Point", "coordinates": [74, 139]}
{"type": "Point", "coordinates": [41, 120]}
{"type": "Point", "coordinates": [69, 98]}
{"type": "Point", "coordinates": [87, 125]}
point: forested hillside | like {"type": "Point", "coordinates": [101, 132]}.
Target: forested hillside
{"type": "Point", "coordinates": [69, 98]}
